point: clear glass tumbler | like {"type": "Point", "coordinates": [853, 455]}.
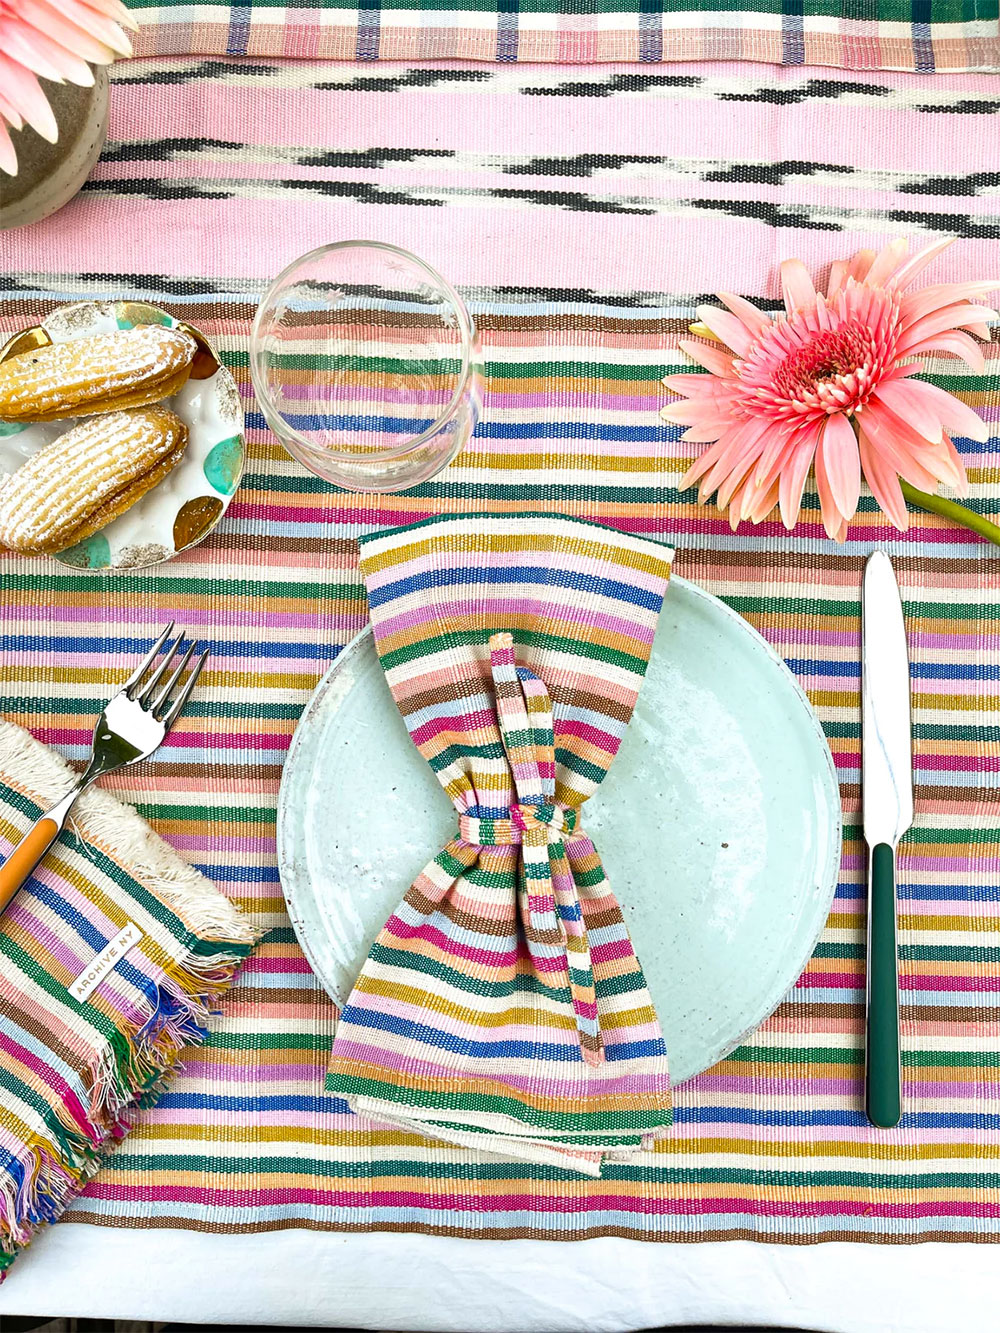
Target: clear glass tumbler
{"type": "Point", "coordinates": [366, 366]}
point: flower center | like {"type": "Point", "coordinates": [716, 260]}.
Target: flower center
{"type": "Point", "coordinates": [830, 358]}
{"type": "Point", "coordinates": [830, 372]}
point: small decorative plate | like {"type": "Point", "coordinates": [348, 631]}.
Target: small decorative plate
{"type": "Point", "coordinates": [189, 502]}
{"type": "Point", "coordinates": [718, 824]}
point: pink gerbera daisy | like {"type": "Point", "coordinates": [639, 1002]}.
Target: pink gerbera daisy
{"type": "Point", "coordinates": [57, 40]}
{"type": "Point", "coordinates": [830, 382]}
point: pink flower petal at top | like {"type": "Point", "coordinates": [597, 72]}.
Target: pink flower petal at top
{"type": "Point", "coordinates": [829, 385]}
{"type": "Point", "coordinates": [57, 40]}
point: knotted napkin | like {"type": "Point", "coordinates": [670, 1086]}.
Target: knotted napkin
{"type": "Point", "coordinates": [111, 958]}
{"type": "Point", "coordinates": [502, 1006]}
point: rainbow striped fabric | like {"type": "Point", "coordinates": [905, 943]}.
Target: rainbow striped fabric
{"type": "Point", "coordinates": [502, 1005]}
{"type": "Point", "coordinates": [113, 955]}
{"type": "Point", "coordinates": [921, 35]}
{"type": "Point", "coordinates": [585, 213]}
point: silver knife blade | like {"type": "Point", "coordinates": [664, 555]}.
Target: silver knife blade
{"type": "Point", "coordinates": [886, 754]}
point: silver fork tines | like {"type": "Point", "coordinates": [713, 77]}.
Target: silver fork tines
{"type": "Point", "coordinates": [131, 727]}
{"type": "Point", "coordinates": [164, 694]}
{"type": "Point", "coordinates": [182, 698]}
{"type": "Point", "coordinates": [155, 701]}
{"type": "Point", "coordinates": [137, 675]}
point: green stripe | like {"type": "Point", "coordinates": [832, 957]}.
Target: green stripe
{"type": "Point", "coordinates": [531, 638]}
{"type": "Point", "coordinates": [581, 1121]}
{"type": "Point", "coordinates": [854, 1056]}
{"type": "Point", "coordinates": [501, 1171]}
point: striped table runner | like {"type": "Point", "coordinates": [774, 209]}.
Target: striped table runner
{"type": "Point", "coordinates": [922, 35]}
{"type": "Point", "coordinates": [585, 214]}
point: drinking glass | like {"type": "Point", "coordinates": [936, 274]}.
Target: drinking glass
{"type": "Point", "coordinates": [366, 366]}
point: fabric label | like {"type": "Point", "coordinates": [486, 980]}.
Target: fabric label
{"type": "Point", "coordinates": [97, 969]}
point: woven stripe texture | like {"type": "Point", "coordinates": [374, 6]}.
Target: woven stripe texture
{"type": "Point", "coordinates": [584, 212]}
{"type": "Point", "coordinates": [921, 35]}
{"type": "Point", "coordinates": [73, 1066]}
{"type": "Point", "coordinates": [503, 1003]}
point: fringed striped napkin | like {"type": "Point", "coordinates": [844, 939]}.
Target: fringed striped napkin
{"type": "Point", "coordinates": [113, 955]}
{"type": "Point", "coordinates": [502, 1006]}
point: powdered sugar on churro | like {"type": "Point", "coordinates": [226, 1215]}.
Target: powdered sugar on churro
{"type": "Point", "coordinates": [97, 469]}
{"type": "Point", "coordinates": [89, 374]}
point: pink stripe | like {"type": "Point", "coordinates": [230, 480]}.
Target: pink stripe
{"type": "Point", "coordinates": [587, 1085]}
{"type": "Point", "coordinates": [54, 1081]}
{"type": "Point", "coordinates": [494, 123]}
{"type": "Point", "coordinates": [595, 1202]}
{"type": "Point", "coordinates": [430, 612]}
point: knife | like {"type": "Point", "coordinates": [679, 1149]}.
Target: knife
{"type": "Point", "coordinates": [887, 795]}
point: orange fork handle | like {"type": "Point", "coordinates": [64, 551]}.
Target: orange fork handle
{"type": "Point", "coordinates": [25, 856]}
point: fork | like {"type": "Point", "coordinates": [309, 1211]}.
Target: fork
{"type": "Point", "coordinates": [131, 727]}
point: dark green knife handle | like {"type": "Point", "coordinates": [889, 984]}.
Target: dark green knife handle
{"type": "Point", "coordinates": [882, 1087]}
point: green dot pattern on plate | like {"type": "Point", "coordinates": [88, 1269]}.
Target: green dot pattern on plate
{"type": "Point", "coordinates": [130, 314]}
{"type": "Point", "coordinates": [224, 464]}
{"type": "Point", "coordinates": [92, 553]}
{"type": "Point", "coordinates": [12, 428]}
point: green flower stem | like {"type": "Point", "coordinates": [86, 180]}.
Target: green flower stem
{"type": "Point", "coordinates": [958, 513]}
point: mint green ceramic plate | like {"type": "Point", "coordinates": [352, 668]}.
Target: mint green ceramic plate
{"type": "Point", "coordinates": [718, 824]}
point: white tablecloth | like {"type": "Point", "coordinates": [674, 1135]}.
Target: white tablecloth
{"type": "Point", "coordinates": [390, 1281]}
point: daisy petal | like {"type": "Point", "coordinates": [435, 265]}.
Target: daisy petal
{"type": "Point", "coordinates": [949, 410]}
{"type": "Point", "coordinates": [691, 385]}
{"type": "Point", "coordinates": [838, 276]}
{"type": "Point", "coordinates": [60, 26]}
{"type": "Point", "coordinates": [928, 299]}
{"type": "Point", "coordinates": [833, 519]}
{"type": "Point", "coordinates": [23, 100]}
{"type": "Point", "coordinates": [886, 262]}
{"type": "Point", "coordinates": [115, 10]}
{"type": "Point", "coordinates": [796, 286]}
{"type": "Point", "coordinates": [860, 264]}
{"type": "Point", "coordinates": [912, 407]}
{"type": "Point", "coordinates": [45, 57]}
{"type": "Point", "coordinates": [907, 452]}
{"type": "Point", "coordinates": [837, 455]}
{"type": "Point", "coordinates": [97, 24]}
{"type": "Point", "coordinates": [755, 320]}
{"type": "Point", "coordinates": [958, 476]}
{"type": "Point", "coordinates": [726, 327]}
{"type": "Point", "coordinates": [958, 316]}
{"type": "Point", "coordinates": [763, 503]}
{"type": "Point", "coordinates": [883, 483]}
{"type": "Point", "coordinates": [712, 358]}
{"type": "Point", "coordinates": [793, 480]}
{"type": "Point", "coordinates": [958, 344]}
{"type": "Point", "coordinates": [916, 264]}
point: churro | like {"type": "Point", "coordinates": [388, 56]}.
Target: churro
{"type": "Point", "coordinates": [106, 372]}
{"type": "Point", "coordinates": [80, 482]}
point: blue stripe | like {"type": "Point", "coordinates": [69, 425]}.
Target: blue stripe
{"type": "Point", "coordinates": [194, 1101]}
{"type": "Point", "coordinates": [490, 430]}
{"type": "Point", "coordinates": [509, 1050]}
{"type": "Point", "coordinates": [95, 938]}
{"type": "Point", "coordinates": [516, 574]}
{"type": "Point", "coordinates": [918, 670]}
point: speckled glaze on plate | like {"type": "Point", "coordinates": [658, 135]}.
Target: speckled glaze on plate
{"type": "Point", "coordinates": [718, 824]}
{"type": "Point", "coordinates": [185, 507]}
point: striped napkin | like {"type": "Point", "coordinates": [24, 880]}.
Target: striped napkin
{"type": "Point", "coordinates": [503, 1006]}
{"type": "Point", "coordinates": [112, 957]}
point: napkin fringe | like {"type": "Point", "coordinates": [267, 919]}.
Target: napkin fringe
{"type": "Point", "coordinates": [119, 831]}
{"type": "Point", "coordinates": [133, 1068]}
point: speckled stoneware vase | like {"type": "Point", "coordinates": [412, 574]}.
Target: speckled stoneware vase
{"type": "Point", "coordinates": [50, 174]}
